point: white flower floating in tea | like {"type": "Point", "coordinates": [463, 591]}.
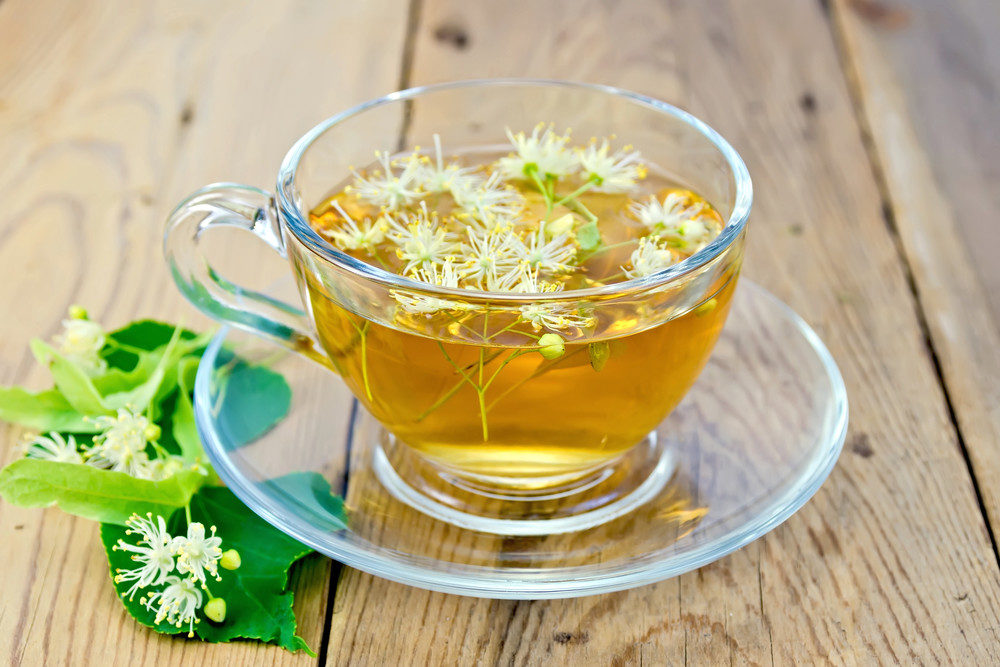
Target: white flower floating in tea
{"type": "Point", "coordinates": [545, 219]}
{"type": "Point", "coordinates": [521, 222]}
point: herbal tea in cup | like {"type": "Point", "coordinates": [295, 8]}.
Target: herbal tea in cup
{"type": "Point", "coordinates": [548, 389]}
{"type": "Point", "coordinates": [517, 305]}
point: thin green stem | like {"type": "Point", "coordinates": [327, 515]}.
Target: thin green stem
{"type": "Point", "coordinates": [601, 249]}
{"type": "Point", "coordinates": [576, 206]}
{"type": "Point", "coordinates": [541, 188]}
{"type": "Point", "coordinates": [363, 333]}
{"type": "Point", "coordinates": [454, 388]}
{"type": "Point", "coordinates": [482, 414]}
{"type": "Point", "coordinates": [441, 401]}
{"type": "Point", "coordinates": [541, 369]}
{"type": "Point", "coordinates": [513, 355]}
{"type": "Point", "coordinates": [480, 392]}
{"type": "Point", "coordinates": [374, 253]}
{"type": "Point", "coordinates": [576, 193]}
{"type": "Point", "coordinates": [187, 513]}
{"type": "Point", "coordinates": [461, 371]}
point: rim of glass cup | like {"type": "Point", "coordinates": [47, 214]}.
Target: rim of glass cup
{"type": "Point", "coordinates": [300, 227]}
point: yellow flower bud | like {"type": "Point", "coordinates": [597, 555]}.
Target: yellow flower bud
{"type": "Point", "coordinates": [551, 346]}
{"type": "Point", "coordinates": [152, 432]}
{"type": "Point", "coordinates": [705, 308]}
{"type": "Point", "coordinates": [215, 610]}
{"type": "Point", "coordinates": [77, 312]}
{"type": "Point", "coordinates": [231, 559]}
{"type": "Point", "coordinates": [563, 225]}
{"type": "Point", "coordinates": [600, 352]}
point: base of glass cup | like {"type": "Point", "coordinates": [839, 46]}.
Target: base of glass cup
{"type": "Point", "coordinates": [550, 506]}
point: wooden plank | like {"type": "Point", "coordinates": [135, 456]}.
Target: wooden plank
{"type": "Point", "coordinates": [930, 126]}
{"type": "Point", "coordinates": [891, 561]}
{"type": "Point", "coordinates": [109, 113]}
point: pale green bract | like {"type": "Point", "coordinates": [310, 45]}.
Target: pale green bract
{"type": "Point", "coordinates": [99, 495]}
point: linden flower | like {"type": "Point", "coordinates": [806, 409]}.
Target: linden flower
{"type": "Point", "coordinates": [437, 177]}
{"type": "Point", "coordinates": [690, 235]}
{"type": "Point", "coordinates": [555, 316]}
{"type": "Point", "coordinates": [81, 342]}
{"type": "Point", "coordinates": [444, 275]}
{"type": "Point", "coordinates": [420, 241]}
{"type": "Point", "coordinates": [543, 152]}
{"type": "Point", "coordinates": [668, 216]}
{"type": "Point", "coordinates": [617, 172]}
{"type": "Point", "coordinates": [154, 553]}
{"type": "Point", "coordinates": [649, 258]}
{"type": "Point", "coordinates": [489, 253]}
{"type": "Point", "coordinates": [53, 447]}
{"type": "Point", "coordinates": [122, 443]}
{"type": "Point", "coordinates": [197, 554]}
{"type": "Point", "coordinates": [489, 201]}
{"type": "Point", "coordinates": [386, 189]}
{"type": "Point", "coordinates": [352, 236]}
{"type": "Point", "coordinates": [553, 255]}
{"type": "Point", "coordinates": [177, 603]}
{"type": "Point", "coordinates": [167, 466]}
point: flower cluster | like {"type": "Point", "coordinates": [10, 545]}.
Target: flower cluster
{"type": "Point", "coordinates": [158, 555]}
{"type": "Point", "coordinates": [681, 220]}
{"type": "Point", "coordinates": [126, 442]}
{"type": "Point", "coordinates": [81, 342]}
{"type": "Point", "coordinates": [123, 444]}
{"type": "Point", "coordinates": [519, 224]}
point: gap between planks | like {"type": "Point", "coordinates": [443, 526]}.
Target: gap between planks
{"type": "Point", "coordinates": [854, 88]}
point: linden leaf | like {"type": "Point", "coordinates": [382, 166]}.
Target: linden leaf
{"type": "Point", "coordinates": [251, 399]}
{"type": "Point", "coordinates": [75, 386]}
{"type": "Point", "coordinates": [258, 601]}
{"type": "Point", "coordinates": [100, 495]}
{"type": "Point", "coordinates": [182, 426]}
{"type": "Point", "coordinates": [45, 411]}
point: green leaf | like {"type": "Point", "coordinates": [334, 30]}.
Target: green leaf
{"type": "Point", "coordinates": [311, 492]}
{"type": "Point", "coordinates": [251, 399]}
{"type": "Point", "coordinates": [75, 386]}
{"type": "Point", "coordinates": [101, 495]}
{"type": "Point", "coordinates": [183, 427]}
{"type": "Point", "coordinates": [258, 602]}
{"type": "Point", "coordinates": [141, 395]}
{"type": "Point", "coordinates": [43, 412]}
{"type": "Point", "coordinates": [588, 236]}
{"type": "Point", "coordinates": [148, 334]}
{"type": "Point", "coordinates": [126, 344]}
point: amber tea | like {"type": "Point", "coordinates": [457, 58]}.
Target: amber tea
{"type": "Point", "coordinates": [553, 387]}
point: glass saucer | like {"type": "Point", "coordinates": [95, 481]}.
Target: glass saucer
{"type": "Point", "coordinates": [747, 447]}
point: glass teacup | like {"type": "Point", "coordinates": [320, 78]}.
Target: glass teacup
{"type": "Point", "coordinates": [482, 429]}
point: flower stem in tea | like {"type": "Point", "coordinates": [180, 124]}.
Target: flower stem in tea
{"type": "Point", "coordinates": [478, 387]}
{"type": "Point", "coordinates": [543, 368]}
{"type": "Point", "coordinates": [363, 333]}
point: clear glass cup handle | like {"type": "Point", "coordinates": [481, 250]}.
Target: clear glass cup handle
{"type": "Point", "coordinates": [243, 207]}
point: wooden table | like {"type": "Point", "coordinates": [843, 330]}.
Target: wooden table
{"type": "Point", "coordinates": [870, 130]}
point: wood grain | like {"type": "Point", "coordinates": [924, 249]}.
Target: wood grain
{"type": "Point", "coordinates": [110, 112]}
{"type": "Point", "coordinates": [935, 171]}
{"type": "Point", "coordinates": [891, 561]}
